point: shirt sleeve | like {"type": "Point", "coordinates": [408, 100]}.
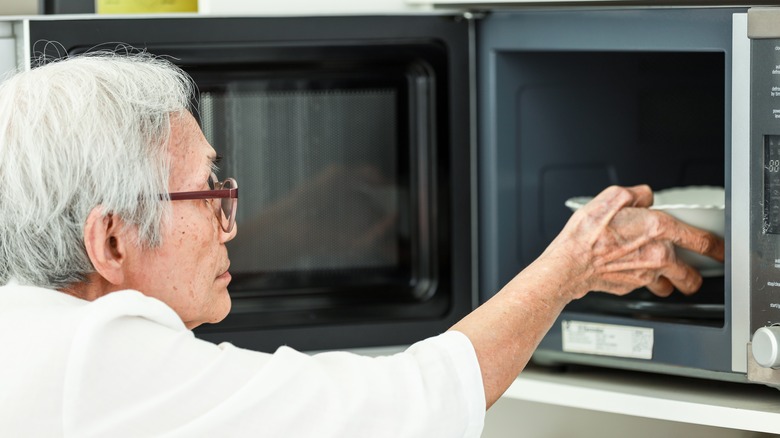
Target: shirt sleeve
{"type": "Point", "coordinates": [134, 370]}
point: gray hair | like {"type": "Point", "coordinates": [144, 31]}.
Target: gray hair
{"type": "Point", "coordinates": [86, 131]}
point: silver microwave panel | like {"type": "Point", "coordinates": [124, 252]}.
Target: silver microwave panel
{"type": "Point", "coordinates": [739, 249]}
{"type": "Point", "coordinates": [764, 193]}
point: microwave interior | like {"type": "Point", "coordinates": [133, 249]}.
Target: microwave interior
{"type": "Point", "coordinates": [334, 151]}
{"type": "Point", "coordinates": [575, 122]}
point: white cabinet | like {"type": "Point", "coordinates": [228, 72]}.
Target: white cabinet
{"type": "Point", "coordinates": [590, 402]}
{"type": "Point", "coordinates": [602, 403]}
{"type": "Point", "coordinates": [512, 418]}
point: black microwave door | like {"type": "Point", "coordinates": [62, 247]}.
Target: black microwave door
{"type": "Point", "coordinates": [350, 141]}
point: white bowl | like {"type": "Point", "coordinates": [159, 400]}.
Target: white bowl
{"type": "Point", "coordinates": [700, 206]}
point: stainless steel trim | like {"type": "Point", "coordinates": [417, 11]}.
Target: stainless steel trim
{"type": "Point", "coordinates": [739, 254]}
{"type": "Point", "coordinates": [759, 374]}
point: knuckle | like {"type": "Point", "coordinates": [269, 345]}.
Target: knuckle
{"type": "Point", "coordinates": [618, 193]}
{"type": "Point", "coordinates": [655, 224]}
{"type": "Point", "coordinates": [691, 284]}
{"type": "Point", "coordinates": [659, 254]}
{"type": "Point", "coordinates": [623, 193]}
{"type": "Point", "coordinates": [706, 244]}
{"type": "Point", "coordinates": [647, 277]}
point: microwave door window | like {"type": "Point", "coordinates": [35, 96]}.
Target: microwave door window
{"type": "Point", "coordinates": [324, 199]}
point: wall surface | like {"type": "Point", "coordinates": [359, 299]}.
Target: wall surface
{"type": "Point", "coordinates": [18, 7]}
{"type": "Point", "coordinates": [302, 6]}
{"type": "Point", "coordinates": [29, 7]}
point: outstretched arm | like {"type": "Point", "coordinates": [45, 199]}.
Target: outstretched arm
{"type": "Point", "coordinates": [613, 244]}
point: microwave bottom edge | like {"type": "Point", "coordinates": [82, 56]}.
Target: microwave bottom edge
{"type": "Point", "coordinates": [549, 358]}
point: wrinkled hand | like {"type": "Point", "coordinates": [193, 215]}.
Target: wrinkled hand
{"type": "Point", "coordinates": [615, 244]}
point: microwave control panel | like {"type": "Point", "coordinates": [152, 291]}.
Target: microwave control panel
{"type": "Point", "coordinates": [763, 361]}
{"type": "Point", "coordinates": [765, 184]}
{"type": "Point", "coordinates": [771, 189]}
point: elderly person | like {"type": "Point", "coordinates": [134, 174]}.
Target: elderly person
{"type": "Point", "coordinates": [112, 247]}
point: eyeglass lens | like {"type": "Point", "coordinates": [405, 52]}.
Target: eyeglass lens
{"type": "Point", "coordinates": [226, 206]}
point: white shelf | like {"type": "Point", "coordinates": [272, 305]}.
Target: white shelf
{"type": "Point", "coordinates": [747, 407]}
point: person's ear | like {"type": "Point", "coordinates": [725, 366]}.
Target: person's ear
{"type": "Point", "coordinates": [104, 239]}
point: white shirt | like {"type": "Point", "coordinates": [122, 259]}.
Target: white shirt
{"type": "Point", "coordinates": [125, 365]}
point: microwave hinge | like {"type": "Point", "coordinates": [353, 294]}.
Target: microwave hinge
{"type": "Point", "coordinates": [471, 15]}
{"type": "Point", "coordinates": [474, 15]}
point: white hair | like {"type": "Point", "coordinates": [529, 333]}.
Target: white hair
{"type": "Point", "coordinates": [78, 133]}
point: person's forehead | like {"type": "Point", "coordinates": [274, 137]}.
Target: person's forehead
{"type": "Point", "coordinates": [191, 154]}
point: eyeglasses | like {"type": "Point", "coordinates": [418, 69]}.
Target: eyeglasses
{"type": "Point", "coordinates": [226, 191]}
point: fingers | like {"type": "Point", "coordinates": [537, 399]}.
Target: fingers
{"type": "Point", "coordinates": [661, 283]}
{"type": "Point", "coordinates": [614, 198]}
{"type": "Point", "coordinates": [688, 237]}
{"type": "Point", "coordinates": [611, 200]}
{"type": "Point", "coordinates": [643, 195]}
{"type": "Point", "coordinates": [635, 196]}
{"type": "Point", "coordinates": [661, 287]}
{"type": "Point", "coordinates": [683, 277]}
{"type": "Point", "coordinates": [657, 237]}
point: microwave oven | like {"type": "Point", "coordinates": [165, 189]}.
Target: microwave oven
{"type": "Point", "coordinates": [396, 170]}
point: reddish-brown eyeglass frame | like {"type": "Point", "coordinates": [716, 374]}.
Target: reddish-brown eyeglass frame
{"type": "Point", "coordinates": [228, 197]}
